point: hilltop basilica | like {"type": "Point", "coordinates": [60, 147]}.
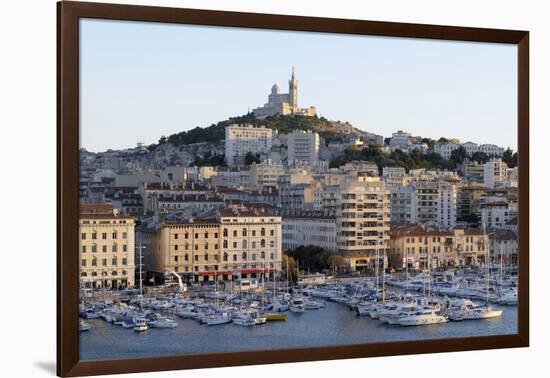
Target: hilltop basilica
{"type": "Point", "coordinates": [284, 103]}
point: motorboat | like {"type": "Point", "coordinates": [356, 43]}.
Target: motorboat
{"type": "Point", "coordinates": [84, 326]}
{"type": "Point", "coordinates": [217, 319]}
{"type": "Point", "coordinates": [297, 304]}
{"type": "Point", "coordinates": [140, 325]}
{"type": "Point", "coordinates": [422, 317]}
{"type": "Point", "coordinates": [162, 322]}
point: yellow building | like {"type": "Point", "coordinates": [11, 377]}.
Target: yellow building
{"type": "Point", "coordinates": [420, 247]}
{"type": "Point", "coordinates": [238, 243]}
{"type": "Point", "coordinates": [106, 243]}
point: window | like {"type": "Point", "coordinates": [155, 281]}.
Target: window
{"type": "Point", "coordinates": [234, 244]}
{"type": "Point", "coordinates": [104, 262]}
{"type": "Point", "coordinates": [262, 243]}
{"type": "Point", "coordinates": [115, 261]}
{"type": "Point", "coordinates": [176, 258]}
{"type": "Point", "coordinates": [225, 257]}
{"type": "Point", "coordinates": [94, 248]}
{"type": "Point", "coordinates": [94, 235]}
{"type": "Point", "coordinates": [114, 235]}
{"type": "Point", "coordinates": [234, 257]}
{"type": "Point", "coordinates": [244, 256]}
{"type": "Point", "coordinates": [244, 231]}
{"type": "Point", "coordinates": [234, 233]}
{"type": "Point", "coordinates": [206, 235]}
{"type": "Point", "coordinates": [83, 236]}
{"type": "Point", "coordinates": [124, 248]}
{"type": "Point", "coordinates": [262, 232]}
{"type": "Point", "coordinates": [272, 232]}
{"type": "Point", "coordinates": [245, 244]}
{"type": "Point", "coordinates": [175, 247]}
{"type": "Point", "coordinates": [124, 261]}
{"type": "Point", "coordinates": [225, 232]}
{"type": "Point", "coordinates": [262, 255]}
{"type": "Point", "coordinates": [115, 248]}
{"type": "Point", "coordinates": [186, 235]}
{"type": "Point", "coordinates": [175, 236]}
{"type": "Point", "coordinates": [124, 235]}
{"type": "Point", "coordinates": [104, 235]}
{"type": "Point", "coordinates": [196, 247]}
{"type": "Point", "coordinates": [196, 257]}
{"type": "Point", "coordinates": [253, 232]}
{"type": "Point", "coordinates": [94, 262]}
{"type": "Point", "coordinates": [104, 248]}
{"type": "Point", "coordinates": [84, 248]}
{"type": "Point", "coordinates": [196, 236]}
{"type": "Point", "coordinates": [83, 263]}
{"type": "Point", "coordinates": [206, 257]}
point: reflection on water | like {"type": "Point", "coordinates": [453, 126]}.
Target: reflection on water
{"type": "Point", "coordinates": [334, 325]}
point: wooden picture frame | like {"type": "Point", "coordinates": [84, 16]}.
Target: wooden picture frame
{"type": "Point", "coordinates": [69, 14]}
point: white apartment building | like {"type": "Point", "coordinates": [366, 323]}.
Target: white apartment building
{"type": "Point", "coordinates": [447, 205]}
{"type": "Point", "coordinates": [403, 204]}
{"type": "Point", "coordinates": [495, 173]}
{"type": "Point", "coordinates": [316, 228]}
{"type": "Point", "coordinates": [303, 146]}
{"type": "Point", "coordinates": [446, 149]}
{"type": "Point", "coordinates": [363, 221]}
{"type": "Point", "coordinates": [265, 174]}
{"type": "Point", "coordinates": [394, 176]}
{"type": "Point", "coordinates": [243, 139]}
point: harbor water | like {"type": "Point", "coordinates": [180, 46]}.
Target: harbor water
{"type": "Point", "coordinates": [330, 326]}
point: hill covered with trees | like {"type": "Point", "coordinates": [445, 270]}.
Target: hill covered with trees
{"type": "Point", "coordinates": [284, 124]}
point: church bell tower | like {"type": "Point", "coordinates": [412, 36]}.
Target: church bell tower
{"type": "Point", "coordinates": [293, 92]}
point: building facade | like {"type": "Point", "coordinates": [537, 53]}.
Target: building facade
{"type": "Point", "coordinates": [303, 146]}
{"type": "Point", "coordinates": [106, 248]}
{"type": "Point", "coordinates": [419, 247]}
{"type": "Point", "coordinates": [316, 228]}
{"type": "Point", "coordinates": [363, 221]}
{"type": "Point", "coordinates": [241, 140]}
{"type": "Point", "coordinates": [237, 243]}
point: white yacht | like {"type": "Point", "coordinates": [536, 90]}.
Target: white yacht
{"type": "Point", "coordinates": [217, 319]}
{"type": "Point", "coordinates": [163, 322]}
{"type": "Point", "coordinates": [422, 317]}
{"type": "Point", "coordinates": [297, 305]}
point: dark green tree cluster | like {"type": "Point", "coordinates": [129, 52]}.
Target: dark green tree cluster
{"type": "Point", "coordinates": [209, 159]}
{"type": "Point", "coordinates": [315, 259]}
{"type": "Point", "coordinates": [413, 160]}
{"type": "Point", "coordinates": [212, 134]}
{"type": "Point", "coordinates": [510, 158]}
{"type": "Point", "coordinates": [282, 123]}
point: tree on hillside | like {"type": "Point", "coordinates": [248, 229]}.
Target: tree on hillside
{"type": "Point", "coordinates": [480, 156]}
{"type": "Point", "coordinates": [459, 155]}
{"type": "Point", "coordinates": [510, 158]}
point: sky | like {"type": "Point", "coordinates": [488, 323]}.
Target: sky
{"type": "Point", "coordinates": [140, 81]}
